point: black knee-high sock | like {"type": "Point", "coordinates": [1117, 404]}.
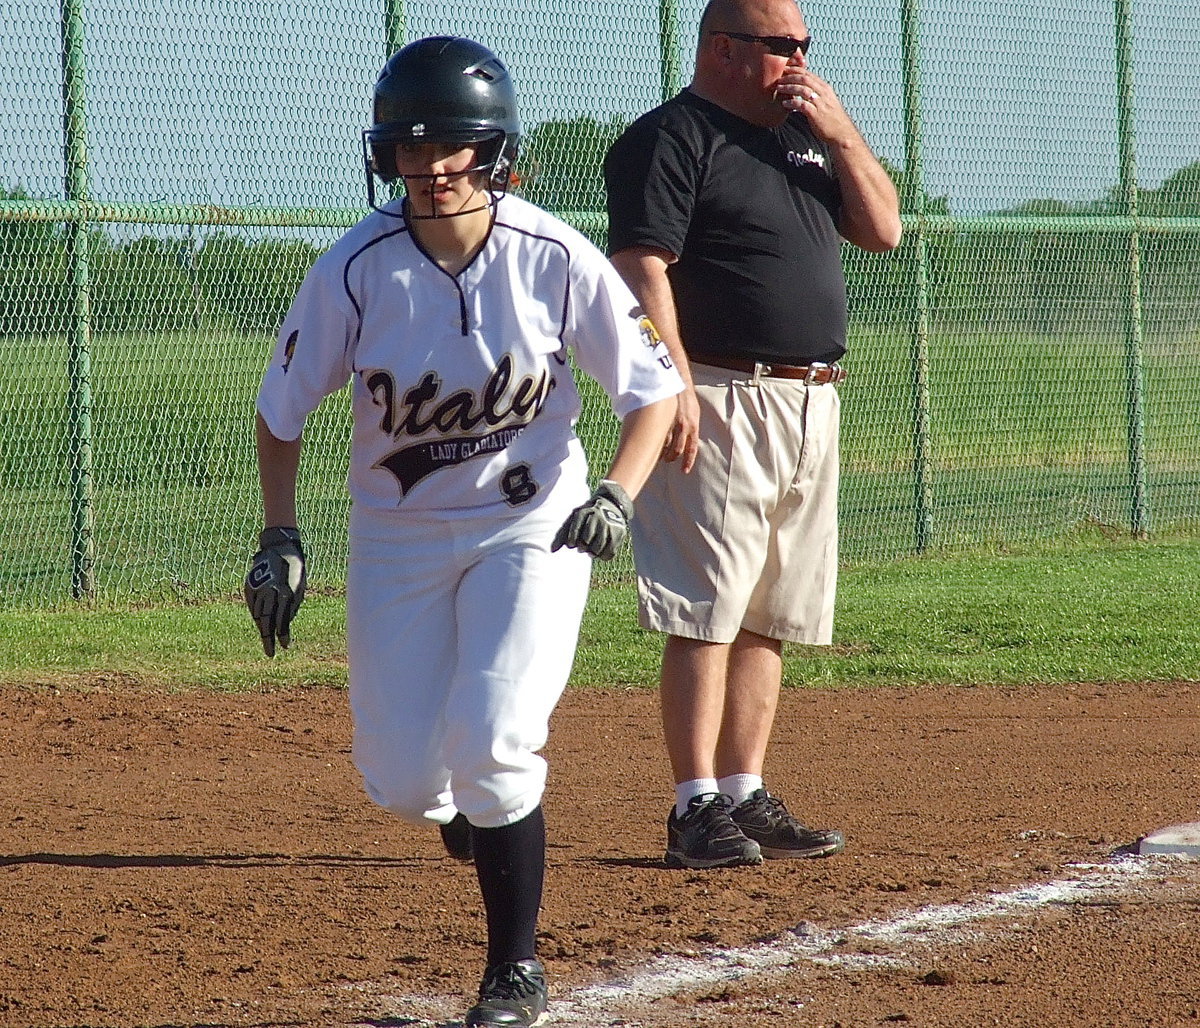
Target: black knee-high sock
{"type": "Point", "coordinates": [510, 863]}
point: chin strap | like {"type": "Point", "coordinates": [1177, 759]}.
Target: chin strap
{"type": "Point", "coordinates": [493, 194]}
{"type": "Point", "coordinates": [407, 213]}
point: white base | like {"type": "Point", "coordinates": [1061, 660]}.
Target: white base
{"type": "Point", "coordinates": [1178, 840]}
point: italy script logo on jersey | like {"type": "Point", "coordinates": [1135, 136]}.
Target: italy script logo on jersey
{"type": "Point", "coordinates": [504, 405]}
{"type": "Point", "coordinates": [650, 336]}
{"type": "Point", "coordinates": [289, 350]}
{"type": "Point", "coordinates": [808, 157]}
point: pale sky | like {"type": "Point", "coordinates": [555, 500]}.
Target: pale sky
{"type": "Point", "coordinates": [202, 101]}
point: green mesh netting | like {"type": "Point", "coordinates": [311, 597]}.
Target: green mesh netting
{"type": "Point", "coordinates": [1026, 363]}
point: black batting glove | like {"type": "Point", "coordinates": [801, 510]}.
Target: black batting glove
{"type": "Point", "coordinates": [275, 585]}
{"type": "Point", "coordinates": [599, 526]}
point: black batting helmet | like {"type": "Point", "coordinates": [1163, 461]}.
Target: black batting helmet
{"type": "Point", "coordinates": [445, 89]}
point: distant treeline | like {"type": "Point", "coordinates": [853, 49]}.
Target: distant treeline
{"type": "Point", "coordinates": [150, 284]}
{"type": "Point", "coordinates": [1009, 277]}
{"type": "Point", "coordinates": [1047, 280]}
{"type": "Point", "coordinates": [1043, 282]}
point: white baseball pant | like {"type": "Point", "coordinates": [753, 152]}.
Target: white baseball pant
{"type": "Point", "coordinates": [461, 634]}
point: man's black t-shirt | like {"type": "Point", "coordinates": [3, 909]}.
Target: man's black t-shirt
{"type": "Point", "coordinates": [752, 214]}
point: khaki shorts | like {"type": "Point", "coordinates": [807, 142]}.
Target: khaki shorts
{"type": "Point", "coordinates": [748, 539]}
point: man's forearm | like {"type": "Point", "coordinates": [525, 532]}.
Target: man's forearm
{"type": "Point", "coordinates": [870, 205]}
{"type": "Point", "coordinates": [647, 279]}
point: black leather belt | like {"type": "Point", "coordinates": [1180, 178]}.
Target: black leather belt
{"type": "Point", "coordinates": [816, 373]}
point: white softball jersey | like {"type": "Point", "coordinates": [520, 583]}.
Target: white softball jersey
{"type": "Point", "coordinates": [461, 622]}
{"type": "Point", "coordinates": [463, 399]}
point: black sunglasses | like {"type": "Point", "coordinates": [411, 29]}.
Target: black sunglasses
{"type": "Point", "coordinates": [780, 46]}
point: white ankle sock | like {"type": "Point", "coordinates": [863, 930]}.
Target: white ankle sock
{"type": "Point", "coordinates": [740, 787]}
{"type": "Point", "coordinates": [685, 791]}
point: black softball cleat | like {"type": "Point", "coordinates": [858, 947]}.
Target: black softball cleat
{"type": "Point", "coordinates": [456, 837]}
{"type": "Point", "coordinates": [512, 995]}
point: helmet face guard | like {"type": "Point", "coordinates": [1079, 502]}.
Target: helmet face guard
{"type": "Point", "coordinates": [443, 89]}
{"type": "Point", "coordinates": [492, 158]}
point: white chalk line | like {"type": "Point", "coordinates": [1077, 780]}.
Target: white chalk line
{"type": "Point", "coordinates": [926, 927]}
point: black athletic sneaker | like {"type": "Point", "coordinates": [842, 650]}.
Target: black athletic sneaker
{"type": "Point", "coordinates": [512, 995]}
{"type": "Point", "coordinates": [456, 837]}
{"type": "Point", "coordinates": [706, 836]}
{"type": "Point", "coordinates": [766, 820]}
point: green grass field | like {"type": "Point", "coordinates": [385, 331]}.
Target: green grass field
{"type": "Point", "coordinates": [1028, 444]}
{"type": "Point", "coordinates": [1096, 610]}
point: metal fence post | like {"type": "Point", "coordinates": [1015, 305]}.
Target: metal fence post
{"type": "Point", "coordinates": [668, 38]}
{"type": "Point", "coordinates": [914, 180]}
{"type": "Point", "coordinates": [1135, 407]}
{"type": "Point", "coordinates": [394, 26]}
{"type": "Point", "coordinates": [79, 371]}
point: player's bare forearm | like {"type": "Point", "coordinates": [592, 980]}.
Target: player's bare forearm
{"type": "Point", "coordinates": [645, 272]}
{"type": "Point", "coordinates": [278, 469]}
{"type": "Point", "coordinates": [640, 444]}
{"type": "Point", "coordinates": [600, 525]}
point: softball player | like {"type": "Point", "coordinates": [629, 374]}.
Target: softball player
{"type": "Point", "coordinates": [451, 312]}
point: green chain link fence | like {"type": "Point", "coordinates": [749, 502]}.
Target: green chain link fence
{"type": "Point", "coordinates": [1026, 363]}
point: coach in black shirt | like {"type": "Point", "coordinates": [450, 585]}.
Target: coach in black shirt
{"type": "Point", "coordinates": [727, 206]}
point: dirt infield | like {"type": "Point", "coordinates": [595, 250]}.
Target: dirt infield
{"type": "Point", "coordinates": [193, 858]}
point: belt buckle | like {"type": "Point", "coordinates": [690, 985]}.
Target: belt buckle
{"type": "Point", "coordinates": [814, 369]}
{"type": "Point", "coordinates": [761, 370]}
